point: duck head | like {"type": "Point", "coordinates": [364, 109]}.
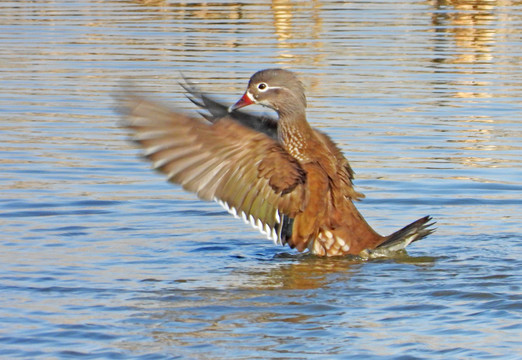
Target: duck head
{"type": "Point", "coordinates": [277, 89]}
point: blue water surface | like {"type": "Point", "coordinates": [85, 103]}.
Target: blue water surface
{"type": "Point", "coordinates": [100, 258]}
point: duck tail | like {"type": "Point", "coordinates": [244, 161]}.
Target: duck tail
{"type": "Point", "coordinates": [408, 234]}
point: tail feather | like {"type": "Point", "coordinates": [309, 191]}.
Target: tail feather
{"type": "Point", "coordinates": [408, 234]}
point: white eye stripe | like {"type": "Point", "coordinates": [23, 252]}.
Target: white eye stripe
{"type": "Point", "coordinates": [262, 87]}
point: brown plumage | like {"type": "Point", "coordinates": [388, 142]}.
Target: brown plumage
{"type": "Point", "coordinates": [284, 177]}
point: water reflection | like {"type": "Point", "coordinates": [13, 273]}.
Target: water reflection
{"type": "Point", "coordinates": [282, 10]}
{"type": "Point", "coordinates": [296, 26]}
{"type": "Point", "coordinates": [285, 299]}
{"type": "Point", "coordinates": [310, 272]}
{"type": "Point", "coordinates": [301, 35]}
{"type": "Point", "coordinates": [472, 25]}
{"type": "Point", "coordinates": [465, 53]}
{"type": "Point", "coordinates": [304, 272]}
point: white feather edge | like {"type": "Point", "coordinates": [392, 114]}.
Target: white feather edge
{"type": "Point", "coordinates": [265, 229]}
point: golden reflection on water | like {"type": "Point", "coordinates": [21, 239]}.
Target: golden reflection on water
{"type": "Point", "coordinates": [472, 24]}
{"type": "Point", "coordinates": [470, 32]}
{"type": "Point", "coordinates": [311, 272]}
{"type": "Point", "coordinates": [282, 10]}
{"type": "Point", "coordinates": [475, 28]}
{"type": "Point", "coordinates": [308, 32]}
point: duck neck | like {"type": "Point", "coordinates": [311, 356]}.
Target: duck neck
{"type": "Point", "coordinates": [294, 133]}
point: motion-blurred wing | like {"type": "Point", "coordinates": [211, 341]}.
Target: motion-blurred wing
{"type": "Point", "coordinates": [248, 173]}
{"type": "Point", "coordinates": [217, 110]}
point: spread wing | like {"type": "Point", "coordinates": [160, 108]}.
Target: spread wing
{"type": "Point", "coordinates": [247, 172]}
{"type": "Point", "coordinates": [217, 110]}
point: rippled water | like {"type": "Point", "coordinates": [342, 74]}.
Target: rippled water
{"type": "Point", "coordinates": [100, 258]}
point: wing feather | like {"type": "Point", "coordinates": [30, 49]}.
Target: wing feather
{"type": "Point", "coordinates": [217, 110]}
{"type": "Point", "coordinates": [344, 170]}
{"type": "Point", "coordinates": [221, 161]}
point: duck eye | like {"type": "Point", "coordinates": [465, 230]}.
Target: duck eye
{"type": "Point", "coordinates": [262, 86]}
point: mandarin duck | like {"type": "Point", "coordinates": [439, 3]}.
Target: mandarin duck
{"type": "Point", "coordinates": [285, 178]}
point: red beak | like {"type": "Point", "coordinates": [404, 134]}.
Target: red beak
{"type": "Point", "coordinates": [245, 100]}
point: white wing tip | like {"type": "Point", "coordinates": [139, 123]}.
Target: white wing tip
{"type": "Point", "coordinates": [265, 229]}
